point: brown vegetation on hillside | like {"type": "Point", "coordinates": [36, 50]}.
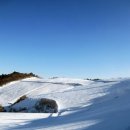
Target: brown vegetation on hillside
{"type": "Point", "coordinates": [7, 78]}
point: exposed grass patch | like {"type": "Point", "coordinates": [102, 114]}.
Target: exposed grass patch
{"type": "Point", "coordinates": [20, 99]}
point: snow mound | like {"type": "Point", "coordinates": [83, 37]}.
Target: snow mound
{"type": "Point", "coordinates": [42, 105]}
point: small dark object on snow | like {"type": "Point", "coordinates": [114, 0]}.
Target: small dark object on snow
{"type": "Point", "coordinates": [2, 108]}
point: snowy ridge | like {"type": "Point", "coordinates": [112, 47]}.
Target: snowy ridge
{"type": "Point", "coordinates": [83, 104]}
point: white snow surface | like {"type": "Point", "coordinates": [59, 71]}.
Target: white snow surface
{"type": "Point", "coordinates": [83, 104]}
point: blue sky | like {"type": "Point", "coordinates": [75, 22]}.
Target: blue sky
{"type": "Point", "coordinates": [71, 38]}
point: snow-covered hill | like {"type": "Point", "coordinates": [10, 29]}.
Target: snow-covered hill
{"type": "Point", "coordinates": [83, 104]}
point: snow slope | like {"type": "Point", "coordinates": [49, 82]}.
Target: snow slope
{"type": "Point", "coordinates": [83, 104]}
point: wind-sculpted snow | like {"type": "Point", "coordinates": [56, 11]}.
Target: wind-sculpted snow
{"type": "Point", "coordinates": [82, 104]}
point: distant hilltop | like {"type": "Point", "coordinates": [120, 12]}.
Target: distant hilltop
{"type": "Point", "coordinates": [7, 78]}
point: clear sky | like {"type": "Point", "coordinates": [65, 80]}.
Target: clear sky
{"type": "Point", "coordinates": [71, 38]}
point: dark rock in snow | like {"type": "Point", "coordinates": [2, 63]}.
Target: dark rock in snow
{"type": "Point", "coordinates": [46, 106]}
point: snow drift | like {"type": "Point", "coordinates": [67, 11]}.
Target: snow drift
{"type": "Point", "coordinates": [82, 104]}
